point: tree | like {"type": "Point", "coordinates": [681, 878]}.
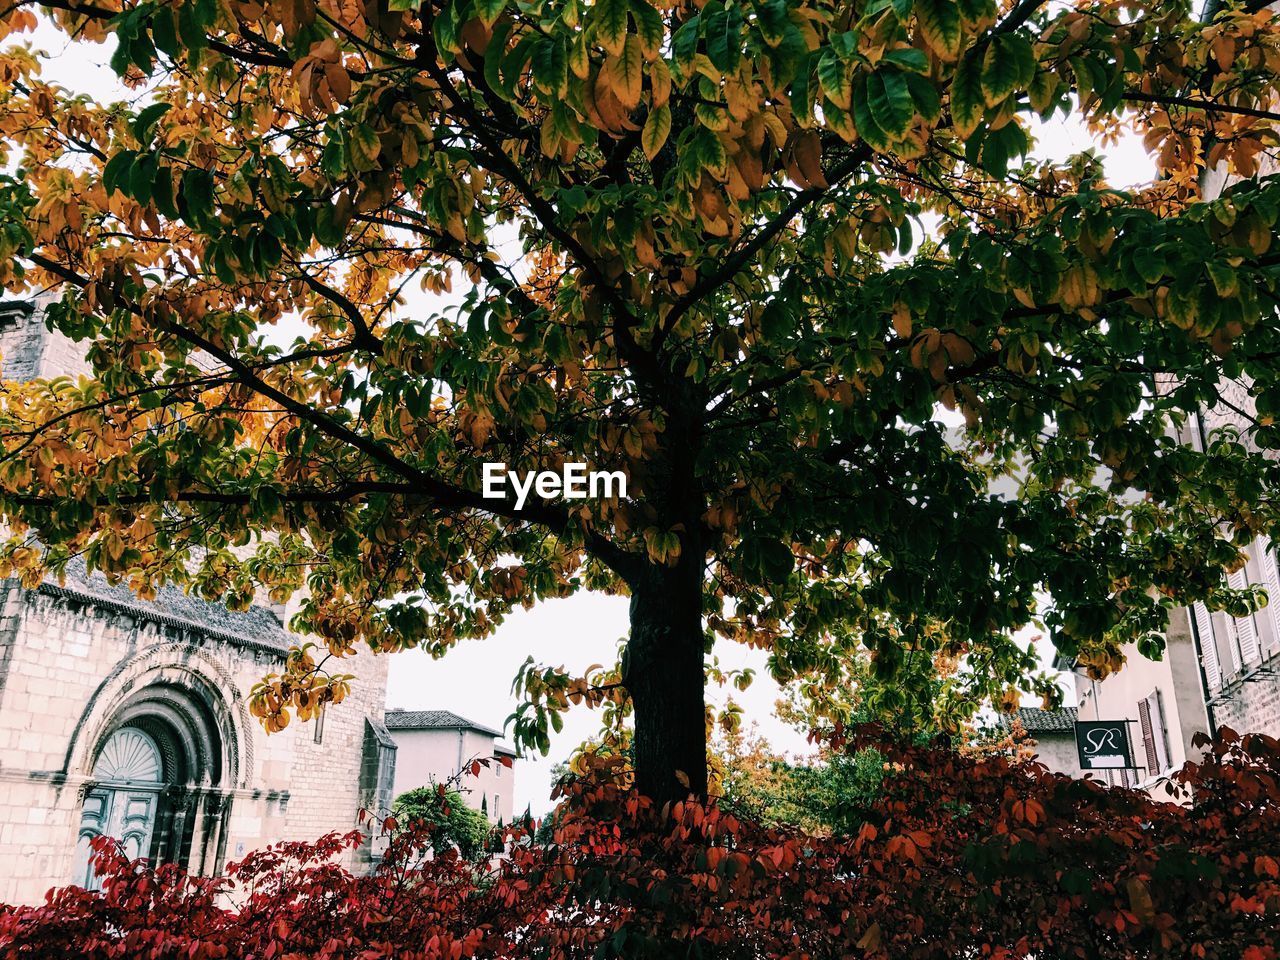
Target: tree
{"type": "Point", "coordinates": [446, 815]}
{"type": "Point", "coordinates": [827, 794]}
{"type": "Point", "coordinates": [690, 245]}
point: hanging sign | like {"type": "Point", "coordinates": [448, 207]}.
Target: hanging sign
{"type": "Point", "coordinates": [1104, 745]}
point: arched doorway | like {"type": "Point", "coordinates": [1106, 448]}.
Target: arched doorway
{"type": "Point", "coordinates": [156, 781]}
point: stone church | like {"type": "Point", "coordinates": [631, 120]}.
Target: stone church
{"type": "Point", "coordinates": [129, 718]}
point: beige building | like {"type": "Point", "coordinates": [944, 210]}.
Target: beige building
{"type": "Point", "coordinates": [434, 746]}
{"type": "Point", "coordinates": [129, 718]}
{"type": "Point", "coordinates": [1050, 735]}
{"type": "Point", "coordinates": [1160, 701]}
{"type": "Point", "coordinates": [1163, 702]}
{"type": "Point", "coordinates": [1239, 656]}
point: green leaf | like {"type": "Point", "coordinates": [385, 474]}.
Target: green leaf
{"type": "Point", "coordinates": [489, 10]}
{"type": "Point", "coordinates": [940, 25]}
{"type": "Point", "coordinates": [444, 29]}
{"type": "Point", "coordinates": [836, 79]}
{"type": "Point", "coordinates": [706, 151]}
{"type": "Point", "coordinates": [191, 27]}
{"type": "Point", "coordinates": [551, 66]}
{"type": "Point", "coordinates": [565, 122]}
{"type": "Point", "coordinates": [363, 147]}
{"type": "Point", "coordinates": [493, 55]}
{"type": "Point", "coordinates": [164, 30]}
{"type": "Point", "coordinates": [977, 11]}
{"type": "Point", "coordinates": [629, 74]}
{"type": "Point", "coordinates": [890, 102]}
{"type": "Point", "coordinates": [1042, 91]}
{"type": "Point", "coordinates": [684, 44]}
{"type": "Point", "coordinates": [1009, 64]}
{"type": "Point", "coordinates": [116, 173]}
{"type": "Point", "coordinates": [610, 20]}
{"type": "Point", "coordinates": [909, 59]}
{"type": "Point", "coordinates": [925, 95]}
{"type": "Point", "coordinates": [146, 120]}
{"type": "Point", "coordinates": [656, 130]}
{"type": "Point", "coordinates": [141, 175]}
{"type": "Point", "coordinates": [649, 27]}
{"type": "Point", "coordinates": [724, 39]}
{"type": "Point", "coordinates": [790, 58]}
{"type": "Point", "coordinates": [772, 21]}
{"type": "Point", "coordinates": [868, 128]}
{"type": "Point", "coordinates": [197, 194]}
{"type": "Point", "coordinates": [967, 98]}
{"type": "Point", "coordinates": [1001, 146]}
{"type": "Point", "coordinates": [1225, 280]}
{"type": "Point", "coordinates": [766, 559]}
{"type": "Point", "coordinates": [1149, 262]}
{"type": "Point", "coordinates": [162, 192]}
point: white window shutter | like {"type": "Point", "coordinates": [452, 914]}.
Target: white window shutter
{"type": "Point", "coordinates": [1148, 738]}
{"type": "Point", "coordinates": [1246, 630]}
{"type": "Point", "coordinates": [1208, 647]}
{"type": "Point", "coordinates": [1159, 730]}
{"type": "Point", "coordinates": [1271, 580]}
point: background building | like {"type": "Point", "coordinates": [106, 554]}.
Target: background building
{"type": "Point", "coordinates": [129, 718]}
{"type": "Point", "coordinates": [432, 746]}
{"type": "Point", "coordinates": [1051, 734]}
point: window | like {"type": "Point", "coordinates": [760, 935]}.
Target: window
{"type": "Point", "coordinates": [319, 724]}
{"type": "Point", "coordinates": [1245, 629]}
{"type": "Point", "coordinates": [1271, 580]}
{"type": "Point", "coordinates": [1208, 647]}
{"type": "Point", "coordinates": [1154, 737]}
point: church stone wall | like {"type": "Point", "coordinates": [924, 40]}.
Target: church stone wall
{"type": "Point", "coordinates": [66, 666]}
{"type": "Point", "coordinates": [28, 350]}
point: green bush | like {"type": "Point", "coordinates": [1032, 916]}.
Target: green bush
{"type": "Point", "coordinates": [453, 823]}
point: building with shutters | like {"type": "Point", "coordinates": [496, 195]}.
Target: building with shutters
{"type": "Point", "coordinates": [129, 718]}
{"type": "Point", "coordinates": [1162, 700]}
{"type": "Point", "coordinates": [1239, 657]}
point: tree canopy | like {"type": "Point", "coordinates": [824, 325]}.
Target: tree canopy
{"type": "Point", "coordinates": [875, 379]}
{"type": "Point", "coordinates": [447, 818]}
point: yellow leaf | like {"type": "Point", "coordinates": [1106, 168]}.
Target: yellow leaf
{"type": "Point", "coordinates": [871, 939]}
{"type": "Point", "coordinates": [1140, 900]}
{"type": "Point", "coordinates": [902, 320]}
{"type": "Point", "coordinates": [659, 83]}
{"type": "Point", "coordinates": [656, 130]}
{"type": "Point", "coordinates": [627, 73]}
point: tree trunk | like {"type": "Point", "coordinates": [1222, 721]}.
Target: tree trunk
{"type": "Point", "coordinates": [664, 675]}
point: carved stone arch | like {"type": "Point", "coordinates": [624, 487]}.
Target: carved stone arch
{"type": "Point", "coordinates": [184, 685]}
{"type": "Point", "coordinates": [176, 697]}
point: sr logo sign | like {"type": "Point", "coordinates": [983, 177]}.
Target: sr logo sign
{"type": "Point", "coordinates": [1103, 744]}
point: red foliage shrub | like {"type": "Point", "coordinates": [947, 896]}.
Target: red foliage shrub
{"type": "Point", "coordinates": [962, 857]}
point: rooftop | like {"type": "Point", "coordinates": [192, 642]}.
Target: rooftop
{"type": "Point", "coordinates": [400, 719]}
{"type": "Point", "coordinates": [257, 626]}
{"type": "Point", "coordinates": [1035, 720]}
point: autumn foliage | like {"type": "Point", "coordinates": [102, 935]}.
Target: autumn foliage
{"type": "Point", "coordinates": [742, 252]}
{"type": "Point", "coordinates": [961, 857]}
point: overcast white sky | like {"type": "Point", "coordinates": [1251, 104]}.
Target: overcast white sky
{"type": "Point", "coordinates": [475, 679]}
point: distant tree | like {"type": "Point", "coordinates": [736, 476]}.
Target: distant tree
{"type": "Point", "coordinates": [741, 251]}
{"type": "Point", "coordinates": [831, 792]}
{"type": "Point", "coordinates": [452, 823]}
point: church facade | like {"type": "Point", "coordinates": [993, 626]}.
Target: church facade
{"type": "Point", "coordinates": [130, 718]}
